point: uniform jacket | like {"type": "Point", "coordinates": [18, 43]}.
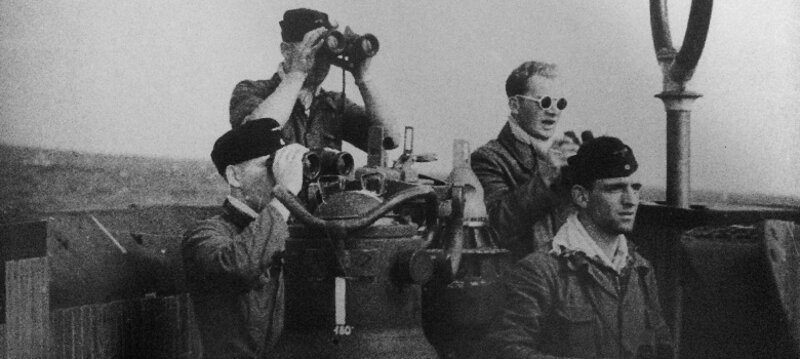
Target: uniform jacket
{"type": "Point", "coordinates": [321, 128]}
{"type": "Point", "coordinates": [234, 272]}
{"type": "Point", "coordinates": [522, 209]}
{"type": "Point", "coordinates": [567, 305]}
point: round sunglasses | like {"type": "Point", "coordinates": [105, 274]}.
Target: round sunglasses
{"type": "Point", "coordinates": [546, 102]}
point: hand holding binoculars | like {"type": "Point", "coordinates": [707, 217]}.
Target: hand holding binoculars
{"type": "Point", "coordinates": [348, 48]}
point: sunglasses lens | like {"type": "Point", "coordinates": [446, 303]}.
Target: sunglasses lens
{"type": "Point", "coordinates": [546, 102]}
{"type": "Point", "coordinates": [561, 104]}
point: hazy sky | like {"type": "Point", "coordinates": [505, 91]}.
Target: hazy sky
{"type": "Point", "coordinates": [154, 77]}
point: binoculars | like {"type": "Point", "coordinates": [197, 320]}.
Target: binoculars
{"type": "Point", "coordinates": [352, 47]}
{"type": "Point", "coordinates": [323, 162]}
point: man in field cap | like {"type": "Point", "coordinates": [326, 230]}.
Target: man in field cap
{"type": "Point", "coordinates": [233, 261]}
{"type": "Point", "coordinates": [308, 114]}
{"type": "Point", "coordinates": [590, 294]}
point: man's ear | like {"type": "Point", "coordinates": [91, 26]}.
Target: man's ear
{"type": "Point", "coordinates": [580, 196]}
{"type": "Point", "coordinates": [232, 176]}
{"type": "Point", "coordinates": [513, 104]}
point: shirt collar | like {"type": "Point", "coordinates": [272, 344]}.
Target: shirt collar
{"type": "Point", "coordinates": [241, 207]}
{"type": "Point", "coordinates": [306, 96]}
{"type": "Point", "coordinates": [573, 237]}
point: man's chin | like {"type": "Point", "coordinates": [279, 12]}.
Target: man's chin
{"type": "Point", "coordinates": [542, 134]}
{"type": "Point", "coordinates": [625, 228]}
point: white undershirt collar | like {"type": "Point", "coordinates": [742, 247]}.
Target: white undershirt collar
{"type": "Point", "coordinates": [573, 237]}
{"type": "Point", "coordinates": [242, 207]}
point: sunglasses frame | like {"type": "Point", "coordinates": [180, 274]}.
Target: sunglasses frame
{"type": "Point", "coordinates": [554, 103]}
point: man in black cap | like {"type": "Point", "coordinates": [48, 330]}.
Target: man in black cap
{"type": "Point", "coordinates": [308, 114]}
{"type": "Point", "coordinates": [589, 295]}
{"type": "Point", "coordinates": [233, 261]}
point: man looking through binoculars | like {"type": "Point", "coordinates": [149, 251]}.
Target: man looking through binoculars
{"type": "Point", "coordinates": [308, 114]}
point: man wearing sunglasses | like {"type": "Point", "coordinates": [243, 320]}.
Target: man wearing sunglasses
{"type": "Point", "coordinates": [518, 168]}
{"type": "Point", "coordinates": [233, 261]}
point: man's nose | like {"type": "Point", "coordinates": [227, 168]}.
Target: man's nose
{"type": "Point", "coordinates": [630, 196]}
{"type": "Point", "coordinates": [553, 110]}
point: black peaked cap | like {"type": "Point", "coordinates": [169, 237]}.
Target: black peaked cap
{"type": "Point", "coordinates": [602, 157]}
{"type": "Point", "coordinates": [297, 22]}
{"type": "Point", "coordinates": [251, 140]}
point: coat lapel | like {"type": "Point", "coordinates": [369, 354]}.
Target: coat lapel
{"type": "Point", "coordinates": [520, 151]}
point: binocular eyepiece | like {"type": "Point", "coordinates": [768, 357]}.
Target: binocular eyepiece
{"type": "Point", "coordinates": [322, 162]}
{"type": "Point", "coordinates": [352, 46]}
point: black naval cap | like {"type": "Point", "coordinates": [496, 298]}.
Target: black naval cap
{"type": "Point", "coordinates": [602, 157]}
{"type": "Point", "coordinates": [251, 140]}
{"type": "Point", "coordinates": [297, 22]}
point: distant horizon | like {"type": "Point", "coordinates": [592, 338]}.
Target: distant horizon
{"type": "Point", "coordinates": [661, 190]}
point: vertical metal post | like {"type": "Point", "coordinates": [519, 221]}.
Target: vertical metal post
{"type": "Point", "coordinates": [678, 106]}
{"type": "Point", "coordinates": [678, 68]}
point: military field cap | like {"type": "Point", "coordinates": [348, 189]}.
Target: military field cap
{"type": "Point", "coordinates": [251, 140]}
{"type": "Point", "coordinates": [297, 22]}
{"type": "Point", "coordinates": [602, 157]}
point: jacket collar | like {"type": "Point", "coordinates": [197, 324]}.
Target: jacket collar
{"type": "Point", "coordinates": [238, 212]}
{"type": "Point", "coordinates": [522, 152]}
{"type": "Point", "coordinates": [573, 236]}
{"type": "Point", "coordinates": [578, 262]}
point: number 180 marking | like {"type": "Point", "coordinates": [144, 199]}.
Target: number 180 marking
{"type": "Point", "coordinates": [342, 330]}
